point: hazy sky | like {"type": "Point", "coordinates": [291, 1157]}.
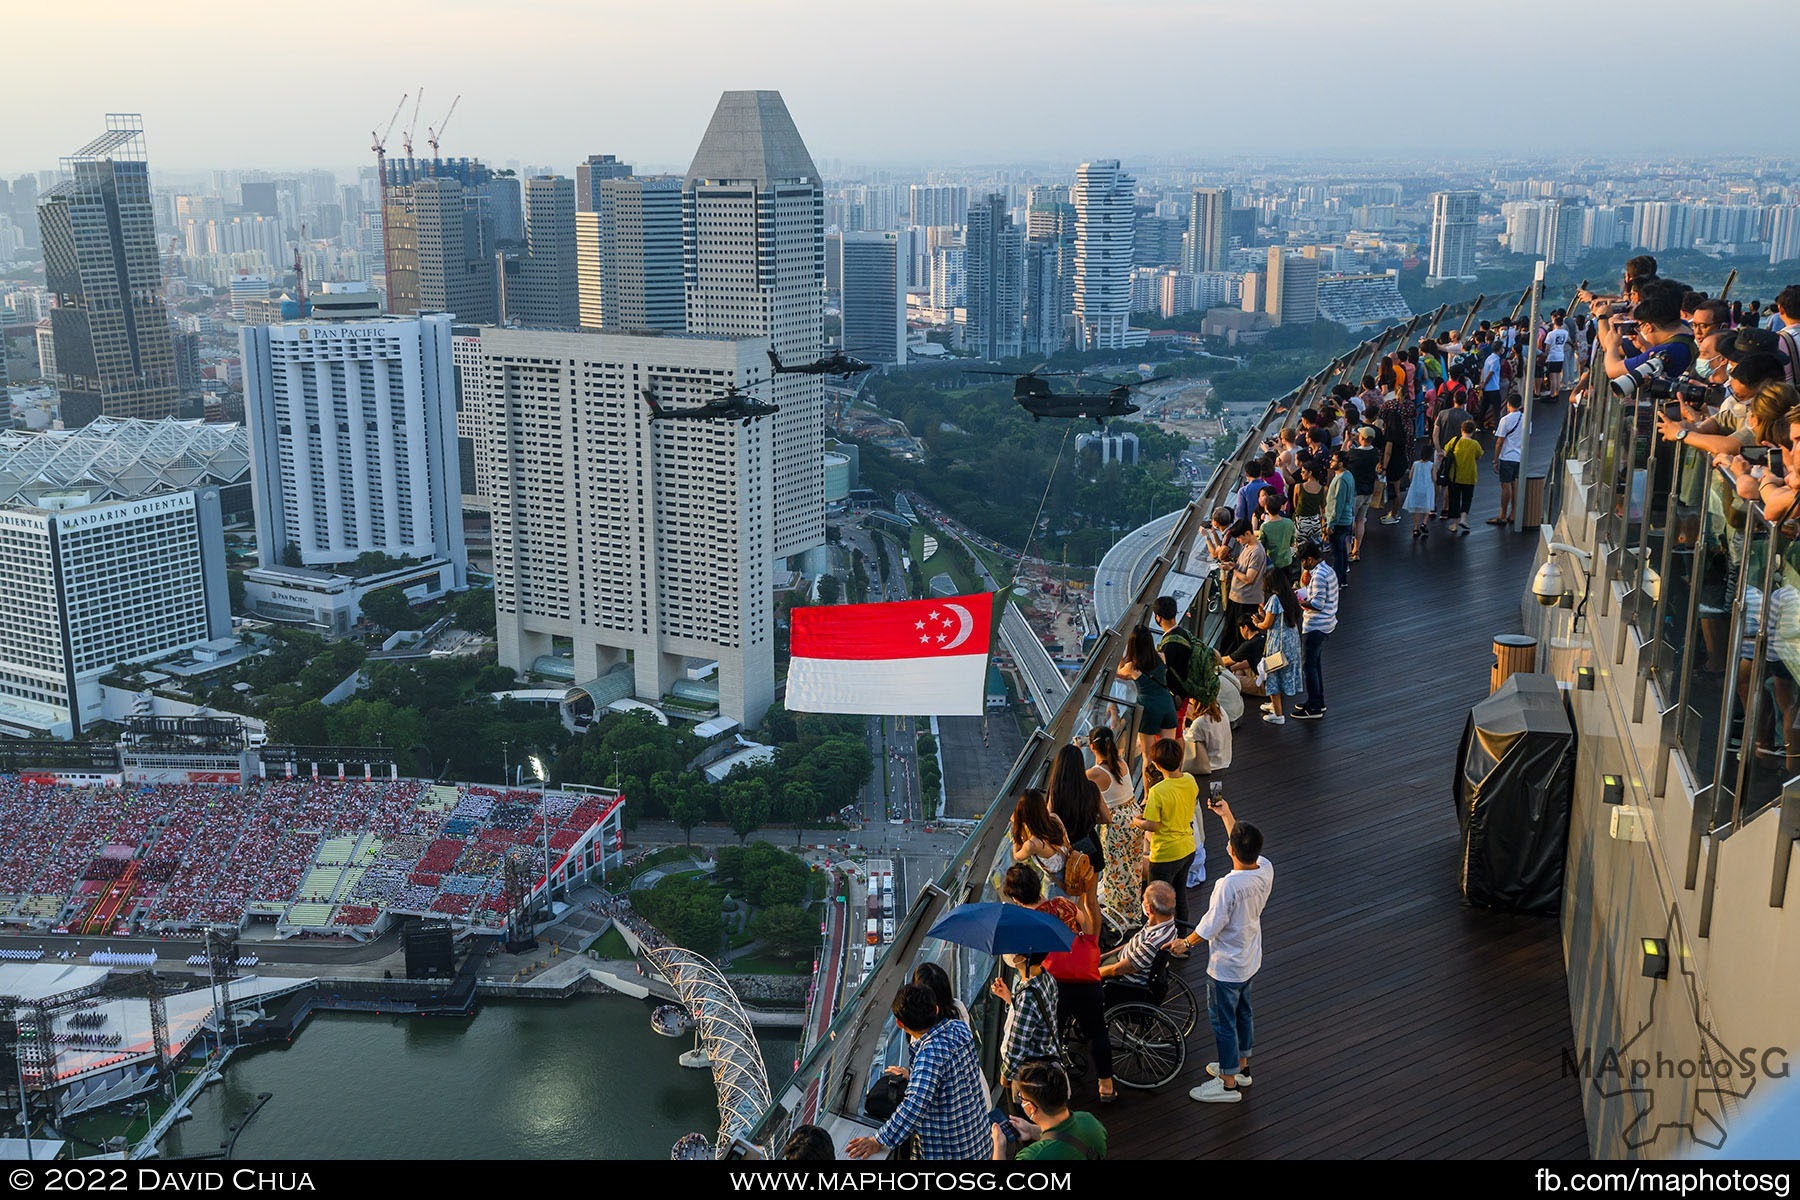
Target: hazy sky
{"type": "Point", "coordinates": [939, 81]}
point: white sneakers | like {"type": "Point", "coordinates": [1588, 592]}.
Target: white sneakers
{"type": "Point", "coordinates": [1274, 718]}
{"type": "Point", "coordinates": [1214, 1092]}
{"type": "Point", "coordinates": [1243, 1077]}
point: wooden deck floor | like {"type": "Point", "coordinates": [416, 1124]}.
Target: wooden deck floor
{"type": "Point", "coordinates": [1391, 1020]}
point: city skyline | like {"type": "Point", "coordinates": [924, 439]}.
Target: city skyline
{"type": "Point", "coordinates": [1192, 57]}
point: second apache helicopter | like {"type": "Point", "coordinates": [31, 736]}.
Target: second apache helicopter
{"type": "Point", "coordinates": [732, 404]}
{"type": "Point", "coordinates": [837, 363]}
{"type": "Point", "coordinates": [1032, 392]}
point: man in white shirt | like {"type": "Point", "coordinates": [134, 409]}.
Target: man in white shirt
{"type": "Point", "coordinates": [1509, 449]}
{"type": "Point", "coordinates": [1491, 379]}
{"type": "Point", "coordinates": [1232, 928]}
{"type": "Point", "coordinates": [1556, 354]}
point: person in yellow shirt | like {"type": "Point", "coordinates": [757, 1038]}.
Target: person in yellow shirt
{"type": "Point", "coordinates": [1462, 452]}
{"type": "Point", "coordinates": [1169, 820]}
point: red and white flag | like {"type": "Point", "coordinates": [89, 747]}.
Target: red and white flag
{"type": "Point", "coordinates": [923, 658]}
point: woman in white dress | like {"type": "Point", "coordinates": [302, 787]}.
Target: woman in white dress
{"type": "Point", "coordinates": [1038, 836]}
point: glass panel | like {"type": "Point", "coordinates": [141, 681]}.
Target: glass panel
{"type": "Point", "coordinates": [1636, 426]}
{"type": "Point", "coordinates": [1673, 625]}
{"type": "Point", "coordinates": [1659, 470]}
{"type": "Point", "coordinates": [1776, 756]}
{"type": "Point", "coordinates": [1743, 694]}
{"type": "Point", "coordinates": [1711, 666]}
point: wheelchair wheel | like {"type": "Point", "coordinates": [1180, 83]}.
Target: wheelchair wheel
{"type": "Point", "coordinates": [1179, 1003]}
{"type": "Point", "coordinates": [1077, 1058]}
{"type": "Point", "coordinates": [1148, 1050]}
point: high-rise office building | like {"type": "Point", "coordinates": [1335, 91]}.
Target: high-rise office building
{"type": "Point", "coordinates": [1104, 220]}
{"type": "Point", "coordinates": [1453, 216]}
{"type": "Point", "coordinates": [587, 268]}
{"type": "Point", "coordinates": [874, 297]}
{"type": "Point", "coordinates": [90, 584]}
{"type": "Point", "coordinates": [439, 258]}
{"type": "Point", "coordinates": [934, 205]}
{"type": "Point", "coordinates": [186, 347]}
{"type": "Point", "coordinates": [589, 174]}
{"type": "Point", "coordinates": [753, 236]}
{"type": "Point", "coordinates": [111, 328]}
{"type": "Point", "coordinates": [949, 279]}
{"type": "Point", "coordinates": [544, 289]}
{"type": "Point", "coordinates": [353, 442]}
{"type": "Point", "coordinates": [638, 540]}
{"type": "Point", "coordinates": [1156, 241]}
{"type": "Point", "coordinates": [249, 296]}
{"type": "Point", "coordinates": [631, 275]}
{"type": "Point", "coordinates": [1208, 240]}
{"type": "Point", "coordinates": [1044, 315]}
{"type": "Point", "coordinates": [1291, 288]}
{"type": "Point", "coordinates": [1050, 286]}
{"type": "Point", "coordinates": [1562, 237]}
{"type": "Point", "coordinates": [994, 281]}
{"type": "Point", "coordinates": [258, 196]}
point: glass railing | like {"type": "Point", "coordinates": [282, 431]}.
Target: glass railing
{"type": "Point", "coordinates": [1711, 589]}
{"type": "Point", "coordinates": [835, 1074]}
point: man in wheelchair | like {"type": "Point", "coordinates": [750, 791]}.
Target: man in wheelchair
{"type": "Point", "coordinates": [1139, 971]}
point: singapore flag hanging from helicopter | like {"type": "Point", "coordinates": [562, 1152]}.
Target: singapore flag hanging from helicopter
{"type": "Point", "coordinates": [917, 657]}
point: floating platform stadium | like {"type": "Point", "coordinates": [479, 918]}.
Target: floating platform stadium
{"type": "Point", "coordinates": [105, 1045]}
{"type": "Point", "coordinates": [108, 855]}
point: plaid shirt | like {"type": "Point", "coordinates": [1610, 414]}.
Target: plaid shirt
{"type": "Point", "coordinates": [946, 1100]}
{"type": "Point", "coordinates": [1030, 1025]}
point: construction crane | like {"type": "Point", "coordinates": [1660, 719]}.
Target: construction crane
{"type": "Point", "coordinates": [300, 271]}
{"type": "Point", "coordinates": [432, 135]}
{"type": "Point", "coordinates": [380, 147]}
{"type": "Point", "coordinates": [414, 123]}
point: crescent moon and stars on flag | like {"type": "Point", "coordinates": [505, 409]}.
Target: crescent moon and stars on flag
{"type": "Point", "coordinates": [934, 630]}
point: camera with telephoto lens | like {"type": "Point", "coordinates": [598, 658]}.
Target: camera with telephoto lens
{"type": "Point", "coordinates": [1645, 381]}
{"type": "Point", "coordinates": [1696, 393]}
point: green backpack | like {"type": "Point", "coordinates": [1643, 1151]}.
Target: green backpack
{"type": "Point", "coordinates": [1201, 680]}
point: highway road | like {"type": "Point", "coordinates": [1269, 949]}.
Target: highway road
{"type": "Point", "coordinates": [1043, 679]}
{"type": "Point", "coordinates": [1126, 565]}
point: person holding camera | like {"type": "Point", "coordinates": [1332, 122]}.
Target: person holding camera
{"type": "Point", "coordinates": [1232, 929]}
{"type": "Point", "coordinates": [1721, 428]}
{"type": "Point", "coordinates": [1774, 417]}
{"type": "Point", "coordinates": [1651, 344]}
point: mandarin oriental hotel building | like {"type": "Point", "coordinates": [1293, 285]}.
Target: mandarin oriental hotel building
{"type": "Point", "coordinates": [89, 586]}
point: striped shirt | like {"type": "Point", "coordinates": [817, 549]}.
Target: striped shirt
{"type": "Point", "coordinates": [1320, 600]}
{"type": "Point", "coordinates": [1141, 950]}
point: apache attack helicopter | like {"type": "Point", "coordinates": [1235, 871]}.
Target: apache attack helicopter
{"type": "Point", "coordinates": [731, 404]}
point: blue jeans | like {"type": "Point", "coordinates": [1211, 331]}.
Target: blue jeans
{"type": "Point", "coordinates": [1228, 1008]}
{"type": "Point", "coordinates": [1312, 667]}
{"type": "Point", "coordinates": [1340, 550]}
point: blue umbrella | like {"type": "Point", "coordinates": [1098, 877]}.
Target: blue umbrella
{"type": "Point", "coordinates": [1003, 929]}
